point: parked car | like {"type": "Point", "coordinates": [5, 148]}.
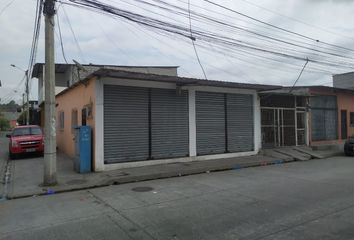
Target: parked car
{"type": "Point", "coordinates": [349, 146]}
{"type": "Point", "coordinates": [25, 139]}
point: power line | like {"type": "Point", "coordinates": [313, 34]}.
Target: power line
{"type": "Point", "coordinates": [193, 39]}
{"type": "Point", "coordinates": [73, 33]}
{"type": "Point", "coordinates": [202, 35]}
{"type": "Point", "coordinates": [61, 39]}
{"type": "Point", "coordinates": [6, 6]}
{"type": "Point", "coordinates": [302, 70]}
{"type": "Point", "coordinates": [36, 32]}
{"type": "Point", "coordinates": [297, 20]}
{"type": "Point", "coordinates": [280, 28]}
{"type": "Point", "coordinates": [229, 25]}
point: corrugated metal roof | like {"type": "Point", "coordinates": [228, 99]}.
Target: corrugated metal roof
{"type": "Point", "coordinates": [306, 90]}
{"type": "Point", "coordinates": [179, 81]}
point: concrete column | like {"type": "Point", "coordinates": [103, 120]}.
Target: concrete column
{"type": "Point", "coordinates": [257, 123]}
{"type": "Point", "coordinates": [99, 126]}
{"type": "Point", "coordinates": [192, 124]}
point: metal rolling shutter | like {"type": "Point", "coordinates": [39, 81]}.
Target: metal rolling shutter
{"type": "Point", "coordinates": [126, 129]}
{"type": "Point", "coordinates": [210, 120]}
{"type": "Point", "coordinates": [240, 122]}
{"type": "Point", "coordinates": [169, 123]}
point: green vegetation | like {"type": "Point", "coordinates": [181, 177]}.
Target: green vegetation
{"type": "Point", "coordinates": [4, 124]}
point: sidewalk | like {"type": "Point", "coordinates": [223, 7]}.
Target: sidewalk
{"type": "Point", "coordinates": [26, 174]}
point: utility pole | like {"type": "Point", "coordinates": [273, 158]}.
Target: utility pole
{"type": "Point", "coordinates": [27, 102]}
{"type": "Point", "coordinates": [27, 92]}
{"type": "Point", "coordinates": [23, 106]}
{"type": "Point", "coordinates": [50, 160]}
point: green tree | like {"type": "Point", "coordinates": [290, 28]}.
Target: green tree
{"type": "Point", "coordinates": [4, 124]}
{"type": "Point", "coordinates": [21, 118]}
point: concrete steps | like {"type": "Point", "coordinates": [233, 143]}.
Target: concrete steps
{"type": "Point", "coordinates": [275, 154]}
{"type": "Point", "coordinates": [299, 153]}
{"type": "Point", "coordinates": [299, 156]}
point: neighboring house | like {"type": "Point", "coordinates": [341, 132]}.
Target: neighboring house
{"type": "Point", "coordinates": [140, 119]}
{"type": "Point", "coordinates": [344, 80]}
{"type": "Point", "coordinates": [332, 115]}
{"type": "Point", "coordinates": [284, 118]}
{"type": "Point", "coordinates": [309, 115]}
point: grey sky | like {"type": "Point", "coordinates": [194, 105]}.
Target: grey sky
{"type": "Point", "coordinates": [104, 40]}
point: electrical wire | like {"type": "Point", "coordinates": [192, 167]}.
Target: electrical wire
{"type": "Point", "coordinates": [297, 20]}
{"type": "Point", "coordinates": [279, 28]}
{"type": "Point", "coordinates": [194, 39]}
{"type": "Point", "coordinates": [6, 6]}
{"type": "Point", "coordinates": [302, 70]}
{"type": "Point", "coordinates": [73, 33]}
{"type": "Point", "coordinates": [61, 38]}
{"type": "Point", "coordinates": [182, 31]}
{"type": "Point", "coordinates": [289, 55]}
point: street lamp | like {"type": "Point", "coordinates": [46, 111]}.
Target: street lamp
{"type": "Point", "coordinates": [27, 92]}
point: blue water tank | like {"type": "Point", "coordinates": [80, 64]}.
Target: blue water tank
{"type": "Point", "coordinates": [83, 156]}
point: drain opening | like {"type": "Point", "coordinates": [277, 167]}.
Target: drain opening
{"type": "Point", "coordinates": [142, 189]}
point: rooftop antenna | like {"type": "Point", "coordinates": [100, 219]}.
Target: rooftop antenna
{"type": "Point", "coordinates": [79, 66]}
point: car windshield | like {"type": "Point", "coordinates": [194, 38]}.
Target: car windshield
{"type": "Point", "coordinates": [27, 131]}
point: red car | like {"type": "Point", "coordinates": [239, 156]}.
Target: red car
{"type": "Point", "coordinates": [26, 139]}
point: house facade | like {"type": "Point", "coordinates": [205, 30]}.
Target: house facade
{"type": "Point", "coordinates": [141, 119]}
{"type": "Point", "coordinates": [332, 115]}
{"type": "Point", "coordinates": [309, 115]}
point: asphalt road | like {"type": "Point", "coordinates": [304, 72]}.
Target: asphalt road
{"type": "Point", "coordinates": [301, 200]}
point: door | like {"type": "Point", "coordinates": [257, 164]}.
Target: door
{"type": "Point", "coordinates": [344, 124]}
{"type": "Point", "coordinates": [301, 128]}
{"type": "Point", "coordinates": [278, 127]}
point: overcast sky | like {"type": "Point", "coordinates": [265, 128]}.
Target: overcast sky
{"type": "Point", "coordinates": [104, 40]}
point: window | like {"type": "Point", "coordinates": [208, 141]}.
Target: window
{"type": "Point", "coordinates": [61, 120]}
{"type": "Point", "coordinates": [83, 116]}
{"type": "Point", "coordinates": [74, 120]}
{"type": "Point", "coordinates": [23, 131]}
{"type": "Point", "coordinates": [352, 119]}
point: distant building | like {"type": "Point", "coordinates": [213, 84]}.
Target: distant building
{"type": "Point", "coordinates": [344, 80]}
{"type": "Point", "coordinates": [68, 74]}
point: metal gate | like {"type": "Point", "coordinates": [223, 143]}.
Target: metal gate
{"type": "Point", "coordinates": [278, 127]}
{"type": "Point", "coordinates": [169, 123]}
{"type": "Point", "coordinates": [126, 124]}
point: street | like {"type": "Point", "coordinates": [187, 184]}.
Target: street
{"type": "Point", "coordinates": [300, 200]}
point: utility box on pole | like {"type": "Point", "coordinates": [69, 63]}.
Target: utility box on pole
{"type": "Point", "coordinates": [50, 158]}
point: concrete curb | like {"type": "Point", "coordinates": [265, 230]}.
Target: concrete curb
{"type": "Point", "coordinates": [190, 170]}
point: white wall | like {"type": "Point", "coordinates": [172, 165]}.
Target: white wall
{"type": "Point", "coordinates": [100, 166]}
{"type": "Point", "coordinates": [345, 80]}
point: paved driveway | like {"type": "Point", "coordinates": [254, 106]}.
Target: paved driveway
{"type": "Point", "coordinates": [300, 200]}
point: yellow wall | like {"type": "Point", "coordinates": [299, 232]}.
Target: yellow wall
{"type": "Point", "coordinates": [75, 98]}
